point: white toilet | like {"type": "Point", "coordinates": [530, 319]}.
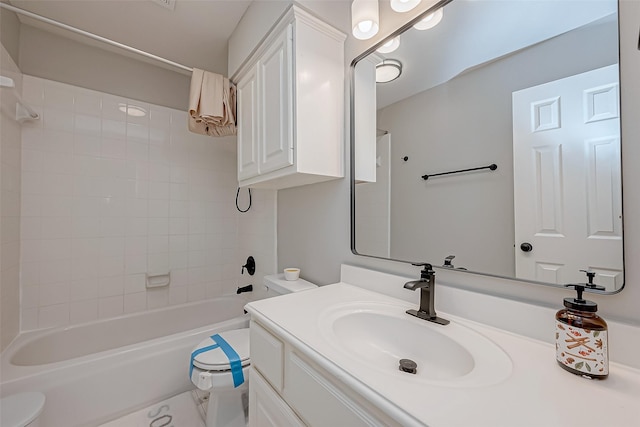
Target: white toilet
{"type": "Point", "coordinates": [21, 410]}
{"type": "Point", "coordinates": [220, 364]}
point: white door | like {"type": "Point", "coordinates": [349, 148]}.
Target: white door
{"type": "Point", "coordinates": [276, 110]}
{"type": "Point", "coordinates": [567, 185]}
{"type": "Point", "coordinates": [247, 99]}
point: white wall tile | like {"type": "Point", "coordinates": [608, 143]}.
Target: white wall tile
{"type": "Point", "coordinates": [177, 295]}
{"type": "Point", "coordinates": [87, 145]}
{"type": "Point", "coordinates": [53, 294]}
{"type": "Point", "coordinates": [87, 124]}
{"type": "Point", "coordinates": [135, 302]}
{"type": "Point", "coordinates": [85, 289]}
{"type": "Point", "coordinates": [135, 283]}
{"type": "Point", "coordinates": [83, 311]}
{"type": "Point", "coordinates": [107, 198]}
{"type": "Point", "coordinates": [29, 318]}
{"type": "Point", "coordinates": [110, 306]}
{"type": "Point", "coordinates": [88, 102]}
{"type": "Point", "coordinates": [157, 298]}
{"type": "Point", "coordinates": [53, 315]}
{"type": "Point", "coordinates": [30, 296]}
{"type": "Point", "coordinates": [110, 286]}
{"type": "Point", "coordinates": [58, 271]}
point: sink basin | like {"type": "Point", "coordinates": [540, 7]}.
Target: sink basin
{"type": "Point", "coordinates": [377, 335]}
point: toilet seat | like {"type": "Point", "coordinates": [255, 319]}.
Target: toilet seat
{"type": "Point", "coordinates": [216, 359]}
{"type": "Point", "coordinates": [21, 409]}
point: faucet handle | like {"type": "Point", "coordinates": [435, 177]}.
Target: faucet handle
{"type": "Point", "coordinates": [427, 272]}
{"type": "Point", "coordinates": [426, 265]}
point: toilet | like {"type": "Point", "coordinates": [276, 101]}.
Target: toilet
{"type": "Point", "coordinates": [21, 410]}
{"type": "Point", "coordinates": [220, 364]}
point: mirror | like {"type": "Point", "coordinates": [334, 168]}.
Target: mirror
{"type": "Point", "coordinates": [497, 148]}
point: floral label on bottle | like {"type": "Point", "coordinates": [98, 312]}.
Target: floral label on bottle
{"type": "Point", "coordinates": [584, 350]}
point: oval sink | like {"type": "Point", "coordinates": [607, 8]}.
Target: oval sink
{"type": "Point", "coordinates": [378, 335]}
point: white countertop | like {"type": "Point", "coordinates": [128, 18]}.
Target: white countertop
{"type": "Point", "coordinates": [537, 393]}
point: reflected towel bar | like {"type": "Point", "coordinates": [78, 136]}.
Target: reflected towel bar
{"type": "Point", "coordinates": [492, 167]}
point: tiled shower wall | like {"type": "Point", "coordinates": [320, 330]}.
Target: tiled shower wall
{"type": "Point", "coordinates": [9, 206]}
{"type": "Point", "coordinates": [109, 197]}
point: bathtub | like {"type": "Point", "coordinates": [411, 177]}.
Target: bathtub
{"type": "Point", "coordinates": [98, 371]}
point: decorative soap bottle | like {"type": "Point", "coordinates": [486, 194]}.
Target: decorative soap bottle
{"type": "Point", "coordinates": [581, 335]}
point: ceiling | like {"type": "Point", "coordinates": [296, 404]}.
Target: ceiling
{"type": "Point", "coordinates": [194, 34]}
{"type": "Point", "coordinates": [473, 33]}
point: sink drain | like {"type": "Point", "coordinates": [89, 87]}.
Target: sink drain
{"type": "Point", "coordinates": [408, 365]}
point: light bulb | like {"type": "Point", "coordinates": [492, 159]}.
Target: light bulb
{"type": "Point", "coordinates": [430, 20]}
{"type": "Point", "coordinates": [404, 5]}
{"type": "Point", "coordinates": [365, 26]}
{"type": "Point", "coordinates": [364, 18]}
{"type": "Point", "coordinates": [390, 46]}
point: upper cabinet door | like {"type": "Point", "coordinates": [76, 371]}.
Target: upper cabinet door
{"type": "Point", "coordinates": [276, 102]}
{"type": "Point", "coordinates": [247, 99]}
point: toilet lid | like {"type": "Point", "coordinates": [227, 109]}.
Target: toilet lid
{"type": "Point", "coordinates": [20, 409]}
{"type": "Point", "coordinates": [216, 359]}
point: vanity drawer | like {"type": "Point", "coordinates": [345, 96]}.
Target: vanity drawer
{"type": "Point", "coordinates": [267, 353]}
{"type": "Point", "coordinates": [305, 386]}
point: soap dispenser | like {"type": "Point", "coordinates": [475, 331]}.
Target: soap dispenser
{"type": "Point", "coordinates": [581, 335]}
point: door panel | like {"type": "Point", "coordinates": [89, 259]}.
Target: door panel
{"type": "Point", "coordinates": [567, 185]}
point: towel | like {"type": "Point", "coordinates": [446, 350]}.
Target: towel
{"type": "Point", "coordinates": [212, 104]}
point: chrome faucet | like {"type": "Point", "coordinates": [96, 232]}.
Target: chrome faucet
{"type": "Point", "coordinates": [427, 286]}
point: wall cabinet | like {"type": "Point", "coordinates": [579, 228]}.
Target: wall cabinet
{"type": "Point", "coordinates": [288, 389]}
{"type": "Point", "coordinates": [291, 105]}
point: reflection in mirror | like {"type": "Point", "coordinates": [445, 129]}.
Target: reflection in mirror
{"type": "Point", "coordinates": [530, 86]}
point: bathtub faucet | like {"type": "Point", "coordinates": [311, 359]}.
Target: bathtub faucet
{"type": "Point", "coordinates": [248, 288]}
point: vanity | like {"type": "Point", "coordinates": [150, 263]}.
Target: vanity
{"type": "Point", "coordinates": [329, 357]}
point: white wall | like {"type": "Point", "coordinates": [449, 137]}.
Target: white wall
{"type": "Point", "coordinates": [320, 212]}
{"type": "Point", "coordinates": [467, 214]}
{"type": "Point", "coordinates": [373, 222]}
{"type": "Point", "coordinates": [107, 198]}
{"type": "Point", "coordinates": [10, 33]}
{"type": "Point", "coordinates": [10, 135]}
{"type": "Point", "coordinates": [53, 57]}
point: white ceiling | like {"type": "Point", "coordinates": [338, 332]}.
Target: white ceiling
{"type": "Point", "coordinates": [474, 32]}
{"type": "Point", "coordinates": [194, 34]}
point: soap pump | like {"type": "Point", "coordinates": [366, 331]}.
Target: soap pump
{"type": "Point", "coordinates": [581, 335]}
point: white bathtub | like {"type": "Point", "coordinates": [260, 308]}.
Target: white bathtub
{"type": "Point", "coordinates": [97, 371]}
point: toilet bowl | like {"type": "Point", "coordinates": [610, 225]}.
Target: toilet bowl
{"type": "Point", "coordinates": [21, 410]}
{"type": "Point", "coordinates": [220, 364]}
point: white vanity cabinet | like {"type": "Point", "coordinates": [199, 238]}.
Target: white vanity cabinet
{"type": "Point", "coordinates": [286, 388]}
{"type": "Point", "coordinates": [291, 105]}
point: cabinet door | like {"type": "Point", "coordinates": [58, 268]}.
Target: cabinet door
{"type": "Point", "coordinates": [266, 408]}
{"type": "Point", "coordinates": [247, 99]}
{"type": "Point", "coordinates": [276, 104]}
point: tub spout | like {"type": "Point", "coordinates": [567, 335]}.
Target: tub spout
{"type": "Point", "coordinates": [248, 288]}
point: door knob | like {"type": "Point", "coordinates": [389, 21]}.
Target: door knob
{"type": "Point", "coordinates": [526, 247]}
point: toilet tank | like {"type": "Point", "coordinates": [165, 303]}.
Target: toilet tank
{"type": "Point", "coordinates": [277, 285]}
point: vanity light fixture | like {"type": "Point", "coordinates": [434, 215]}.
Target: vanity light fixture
{"type": "Point", "coordinates": [132, 110]}
{"type": "Point", "coordinates": [404, 5]}
{"type": "Point", "coordinates": [389, 46]}
{"type": "Point", "coordinates": [430, 20]}
{"type": "Point", "coordinates": [388, 70]}
{"type": "Point", "coordinates": [365, 18]}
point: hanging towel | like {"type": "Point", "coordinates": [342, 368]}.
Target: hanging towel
{"type": "Point", "coordinates": [212, 104]}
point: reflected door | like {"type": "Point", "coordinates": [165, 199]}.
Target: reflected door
{"type": "Point", "coordinates": [567, 184]}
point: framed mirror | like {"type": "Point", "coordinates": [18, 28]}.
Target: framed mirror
{"type": "Point", "coordinates": [490, 142]}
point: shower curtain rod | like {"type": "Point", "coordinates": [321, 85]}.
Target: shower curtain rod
{"type": "Point", "coordinates": [93, 36]}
